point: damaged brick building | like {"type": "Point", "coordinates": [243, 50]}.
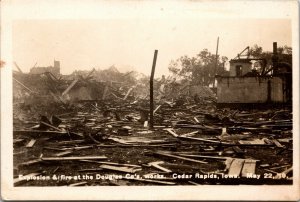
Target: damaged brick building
{"type": "Point", "coordinates": [246, 85]}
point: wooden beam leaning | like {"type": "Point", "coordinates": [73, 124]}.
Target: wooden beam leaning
{"type": "Point", "coordinates": [151, 88]}
{"type": "Point", "coordinates": [70, 87]}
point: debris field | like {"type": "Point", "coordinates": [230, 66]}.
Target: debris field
{"type": "Point", "coordinates": [108, 140]}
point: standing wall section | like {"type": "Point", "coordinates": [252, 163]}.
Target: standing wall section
{"type": "Point", "coordinates": [249, 89]}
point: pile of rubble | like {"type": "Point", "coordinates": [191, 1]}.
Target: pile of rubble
{"type": "Point", "coordinates": [82, 130]}
{"type": "Point", "coordinates": [110, 143]}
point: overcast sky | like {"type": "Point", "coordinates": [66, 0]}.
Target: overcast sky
{"type": "Point", "coordinates": [130, 42]}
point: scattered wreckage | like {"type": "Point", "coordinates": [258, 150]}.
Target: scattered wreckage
{"type": "Point", "coordinates": [85, 132]}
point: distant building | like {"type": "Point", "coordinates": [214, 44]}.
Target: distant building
{"type": "Point", "coordinates": [55, 70]}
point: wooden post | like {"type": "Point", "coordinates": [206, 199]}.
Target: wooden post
{"type": "Point", "coordinates": [151, 88]}
{"type": "Point", "coordinates": [216, 65]}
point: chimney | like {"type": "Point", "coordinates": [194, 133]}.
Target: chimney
{"type": "Point", "coordinates": [275, 58]}
{"type": "Point", "coordinates": [57, 67]}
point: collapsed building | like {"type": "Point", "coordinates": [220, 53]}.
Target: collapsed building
{"type": "Point", "coordinates": [55, 69]}
{"type": "Point", "coordinates": [96, 125]}
{"type": "Point", "coordinates": [247, 85]}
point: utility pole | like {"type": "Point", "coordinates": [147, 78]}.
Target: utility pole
{"type": "Point", "coordinates": [151, 88]}
{"type": "Point", "coordinates": [216, 64]}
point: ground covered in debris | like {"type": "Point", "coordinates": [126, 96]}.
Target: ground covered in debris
{"type": "Point", "coordinates": [110, 143]}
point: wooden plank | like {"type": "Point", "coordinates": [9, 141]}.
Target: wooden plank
{"type": "Point", "coordinates": [249, 167]}
{"type": "Point", "coordinates": [277, 143]}
{"type": "Point", "coordinates": [189, 134]}
{"type": "Point", "coordinates": [127, 94]}
{"type": "Point", "coordinates": [287, 170]}
{"type": "Point", "coordinates": [71, 158]}
{"type": "Point", "coordinates": [170, 130]}
{"type": "Point", "coordinates": [64, 153]}
{"type": "Point", "coordinates": [202, 140]}
{"type": "Point", "coordinates": [238, 150]}
{"type": "Point", "coordinates": [113, 163]}
{"type": "Point", "coordinates": [236, 167]}
{"type": "Point", "coordinates": [156, 109]}
{"type": "Point", "coordinates": [90, 170]}
{"type": "Point", "coordinates": [228, 163]}
{"type": "Point", "coordinates": [37, 132]}
{"type": "Point", "coordinates": [205, 157]}
{"type": "Point", "coordinates": [152, 181]}
{"type": "Point", "coordinates": [254, 142]}
{"type": "Point", "coordinates": [180, 157]}
{"type": "Point", "coordinates": [77, 184]}
{"type": "Point", "coordinates": [23, 86]}
{"type": "Point", "coordinates": [49, 125]}
{"type": "Point", "coordinates": [70, 87]}
{"type": "Point", "coordinates": [27, 163]}
{"type": "Point", "coordinates": [18, 140]}
{"type": "Point", "coordinates": [31, 143]}
{"type": "Point", "coordinates": [121, 169]}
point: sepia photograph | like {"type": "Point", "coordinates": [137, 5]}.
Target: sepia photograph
{"type": "Point", "coordinates": [172, 98]}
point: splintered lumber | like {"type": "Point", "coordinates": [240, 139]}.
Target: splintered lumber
{"type": "Point", "coordinates": [121, 169]}
{"type": "Point", "coordinates": [287, 170]}
{"type": "Point", "coordinates": [127, 94]}
{"type": "Point", "coordinates": [70, 87]}
{"type": "Point", "coordinates": [249, 167]}
{"type": "Point", "coordinates": [58, 97]}
{"type": "Point", "coordinates": [228, 163]}
{"type": "Point", "coordinates": [119, 164]}
{"type": "Point", "coordinates": [27, 163]}
{"type": "Point", "coordinates": [30, 143]}
{"type": "Point", "coordinates": [25, 178]}
{"type": "Point", "coordinates": [285, 140]}
{"type": "Point", "coordinates": [170, 130]}
{"type": "Point", "coordinates": [179, 157]}
{"type": "Point", "coordinates": [63, 153]}
{"type": "Point", "coordinates": [237, 150]}
{"type": "Point", "coordinates": [202, 140]}
{"type": "Point", "coordinates": [205, 157]}
{"type": "Point", "coordinates": [189, 134]}
{"type": "Point", "coordinates": [23, 86]}
{"type": "Point", "coordinates": [236, 167]}
{"type": "Point", "coordinates": [49, 125]}
{"type": "Point", "coordinates": [277, 143]}
{"type": "Point", "coordinates": [37, 133]}
{"type": "Point", "coordinates": [56, 149]}
{"type": "Point", "coordinates": [77, 184]}
{"type": "Point", "coordinates": [112, 163]}
{"type": "Point", "coordinates": [70, 158]}
{"type": "Point", "coordinates": [90, 170]}
{"type": "Point", "coordinates": [156, 109]}
{"type": "Point", "coordinates": [152, 181]}
{"type": "Point", "coordinates": [282, 174]}
{"type": "Point", "coordinates": [18, 140]}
